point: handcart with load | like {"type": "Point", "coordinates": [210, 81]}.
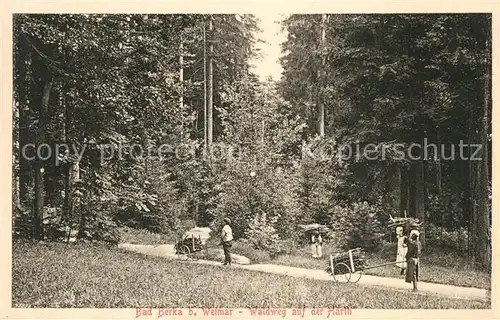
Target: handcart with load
{"type": "Point", "coordinates": [349, 266]}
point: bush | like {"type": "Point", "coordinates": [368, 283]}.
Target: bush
{"type": "Point", "coordinates": [151, 201]}
{"type": "Point", "coordinates": [54, 228]}
{"type": "Point", "coordinates": [388, 250]}
{"type": "Point", "coordinates": [93, 213]}
{"type": "Point", "coordinates": [262, 235]}
{"type": "Point", "coordinates": [22, 224]}
{"type": "Point", "coordinates": [184, 225]}
{"type": "Point", "coordinates": [270, 191]}
{"type": "Point", "coordinates": [457, 240]}
{"type": "Point", "coordinates": [358, 225]}
{"type": "Point", "coordinates": [99, 227]}
{"type": "Point", "coordinates": [158, 212]}
{"type": "Point", "coordinates": [289, 246]}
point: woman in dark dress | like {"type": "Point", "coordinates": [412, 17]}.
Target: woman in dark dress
{"type": "Point", "coordinates": [412, 259]}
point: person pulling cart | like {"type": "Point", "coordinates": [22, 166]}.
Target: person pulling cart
{"type": "Point", "coordinates": [413, 258]}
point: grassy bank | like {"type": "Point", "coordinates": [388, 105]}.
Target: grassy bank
{"type": "Point", "coordinates": [97, 276]}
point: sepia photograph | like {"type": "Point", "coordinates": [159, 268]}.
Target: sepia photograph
{"type": "Point", "coordinates": [286, 164]}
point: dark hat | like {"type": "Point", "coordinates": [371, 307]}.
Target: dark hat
{"type": "Point", "coordinates": [227, 220]}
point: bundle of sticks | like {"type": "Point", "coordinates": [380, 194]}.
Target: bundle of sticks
{"type": "Point", "coordinates": [313, 227]}
{"type": "Point", "coordinates": [358, 258]}
{"type": "Point", "coordinates": [403, 222]}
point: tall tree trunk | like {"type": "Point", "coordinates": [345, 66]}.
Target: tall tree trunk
{"type": "Point", "coordinates": [72, 176]}
{"type": "Point", "coordinates": [438, 163]}
{"type": "Point", "coordinates": [439, 190]}
{"type": "Point", "coordinates": [205, 116]}
{"type": "Point", "coordinates": [72, 172]}
{"type": "Point", "coordinates": [405, 192]}
{"type": "Point", "coordinates": [321, 104]}
{"type": "Point", "coordinates": [181, 83]}
{"type": "Point", "coordinates": [394, 189]}
{"type": "Point", "coordinates": [483, 240]}
{"type": "Point", "coordinates": [425, 165]}
{"type": "Point", "coordinates": [15, 160]}
{"type": "Point", "coordinates": [470, 193]}
{"type": "Point", "coordinates": [210, 86]}
{"type": "Point", "coordinates": [420, 196]}
{"type": "Point", "coordinates": [18, 102]}
{"type": "Point", "coordinates": [195, 123]}
{"type": "Point", "coordinates": [195, 213]}
{"type": "Point", "coordinates": [25, 175]}
{"type": "Point", "coordinates": [67, 212]}
{"type": "Point", "coordinates": [412, 191]}
{"type": "Point", "coordinates": [39, 165]}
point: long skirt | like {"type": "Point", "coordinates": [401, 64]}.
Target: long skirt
{"type": "Point", "coordinates": [401, 254]}
{"type": "Point", "coordinates": [316, 250]}
{"type": "Point", "coordinates": [319, 250]}
{"type": "Point", "coordinates": [411, 270]}
{"type": "Point", "coordinates": [401, 258]}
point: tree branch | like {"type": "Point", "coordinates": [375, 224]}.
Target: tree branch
{"type": "Point", "coordinates": [43, 55]}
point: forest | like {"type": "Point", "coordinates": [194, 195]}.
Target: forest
{"type": "Point", "coordinates": [100, 100]}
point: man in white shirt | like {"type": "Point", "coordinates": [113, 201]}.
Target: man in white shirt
{"type": "Point", "coordinates": [227, 238]}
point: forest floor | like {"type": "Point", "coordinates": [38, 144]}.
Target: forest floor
{"type": "Point", "coordinates": [438, 264]}
{"type": "Point", "coordinates": [305, 267]}
{"type": "Point", "coordinates": [446, 290]}
{"type": "Point", "coordinates": [92, 275]}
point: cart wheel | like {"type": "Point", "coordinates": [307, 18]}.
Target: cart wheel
{"type": "Point", "coordinates": [341, 272]}
{"type": "Point", "coordinates": [356, 276]}
{"type": "Point", "coordinates": [195, 256]}
{"type": "Point", "coordinates": [184, 253]}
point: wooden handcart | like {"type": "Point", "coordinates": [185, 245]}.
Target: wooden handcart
{"type": "Point", "coordinates": [190, 247]}
{"type": "Point", "coordinates": [349, 266]}
{"type": "Point", "coordinates": [344, 270]}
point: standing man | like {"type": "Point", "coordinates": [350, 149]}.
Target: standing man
{"type": "Point", "coordinates": [227, 238]}
{"type": "Point", "coordinates": [412, 258]}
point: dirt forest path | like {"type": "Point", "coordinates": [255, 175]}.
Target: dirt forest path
{"type": "Point", "coordinates": [167, 251]}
